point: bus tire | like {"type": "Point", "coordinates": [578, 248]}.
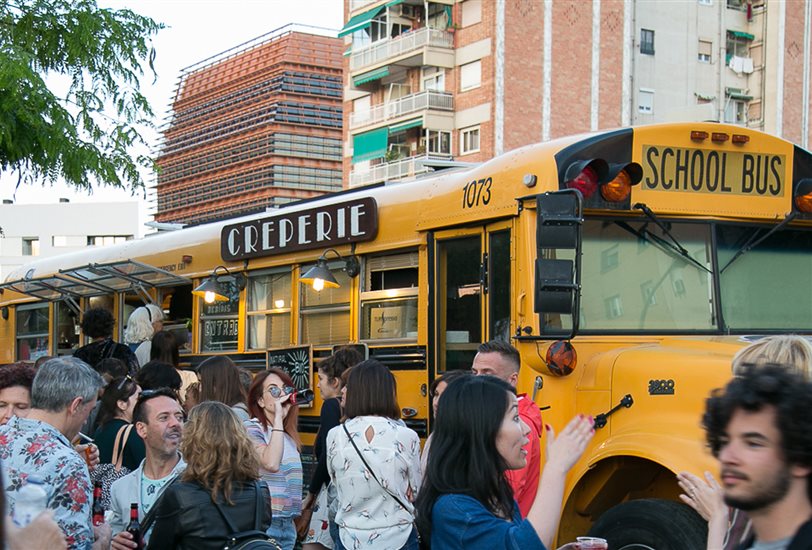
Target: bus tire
{"type": "Point", "coordinates": [651, 524]}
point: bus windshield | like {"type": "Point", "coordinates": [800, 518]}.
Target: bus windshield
{"type": "Point", "coordinates": [634, 279]}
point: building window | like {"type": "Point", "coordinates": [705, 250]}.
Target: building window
{"type": "Point", "coordinates": [738, 44]}
{"type": "Point", "coordinates": [470, 75]}
{"type": "Point", "coordinates": [469, 140]}
{"type": "Point", "coordinates": [614, 307]}
{"type": "Point", "coordinates": [439, 143]}
{"type": "Point", "coordinates": [30, 246]}
{"type": "Point", "coordinates": [610, 258]}
{"type": "Point", "coordinates": [433, 79]}
{"type": "Point", "coordinates": [705, 2]}
{"type": "Point", "coordinates": [107, 240]}
{"type": "Point", "coordinates": [736, 4]}
{"type": "Point", "coordinates": [645, 101]}
{"type": "Point", "coordinates": [736, 111]}
{"type": "Point", "coordinates": [647, 41]}
{"type": "Point", "coordinates": [705, 49]}
{"type": "Point", "coordinates": [59, 240]}
{"type": "Point", "coordinates": [471, 12]}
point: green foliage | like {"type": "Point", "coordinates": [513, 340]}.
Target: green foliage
{"type": "Point", "coordinates": [87, 134]}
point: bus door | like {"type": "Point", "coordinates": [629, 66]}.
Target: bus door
{"type": "Point", "coordinates": [472, 273]}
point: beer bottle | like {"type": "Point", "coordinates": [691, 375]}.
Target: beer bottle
{"type": "Point", "coordinates": [134, 527]}
{"type": "Point", "coordinates": [98, 509]}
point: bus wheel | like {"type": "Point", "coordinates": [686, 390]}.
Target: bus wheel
{"type": "Point", "coordinates": [651, 524]}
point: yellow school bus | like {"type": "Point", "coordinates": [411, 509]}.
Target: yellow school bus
{"type": "Point", "coordinates": [627, 267]}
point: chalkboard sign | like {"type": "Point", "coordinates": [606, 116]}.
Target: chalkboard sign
{"type": "Point", "coordinates": [296, 361]}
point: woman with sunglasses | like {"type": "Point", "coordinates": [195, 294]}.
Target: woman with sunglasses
{"type": "Point", "coordinates": [276, 439]}
{"type": "Point", "coordinates": [115, 415]}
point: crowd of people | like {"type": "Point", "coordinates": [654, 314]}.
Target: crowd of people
{"type": "Point", "coordinates": [210, 457]}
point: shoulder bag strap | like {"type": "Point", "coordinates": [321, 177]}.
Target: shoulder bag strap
{"type": "Point", "coordinates": [118, 447]}
{"type": "Point", "coordinates": [371, 471]}
{"type": "Point", "coordinates": [149, 519]}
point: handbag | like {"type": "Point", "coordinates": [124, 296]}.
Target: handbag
{"type": "Point", "coordinates": [253, 539]}
{"type": "Point", "coordinates": [387, 491]}
{"type": "Point", "coordinates": [106, 474]}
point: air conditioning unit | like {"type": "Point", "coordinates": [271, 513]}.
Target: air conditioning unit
{"type": "Point", "coordinates": [404, 10]}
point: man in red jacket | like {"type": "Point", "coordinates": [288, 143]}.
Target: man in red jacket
{"type": "Point", "coordinates": [500, 359]}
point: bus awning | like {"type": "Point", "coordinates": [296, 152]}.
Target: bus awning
{"type": "Point", "coordinates": [360, 21]}
{"type": "Point", "coordinates": [370, 145]}
{"type": "Point", "coordinates": [94, 280]}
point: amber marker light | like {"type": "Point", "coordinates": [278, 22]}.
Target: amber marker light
{"type": "Point", "coordinates": [561, 358]}
{"type": "Point", "coordinates": [719, 137]}
{"type": "Point", "coordinates": [697, 135]}
{"type": "Point", "coordinates": [803, 196]}
{"type": "Point", "coordinates": [740, 139]}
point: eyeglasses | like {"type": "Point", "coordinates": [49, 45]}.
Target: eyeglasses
{"type": "Point", "coordinates": [149, 394]}
{"type": "Point", "coordinates": [277, 392]}
{"type": "Point", "coordinates": [124, 380]}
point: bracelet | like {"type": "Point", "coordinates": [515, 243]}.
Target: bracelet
{"type": "Point", "coordinates": [277, 430]}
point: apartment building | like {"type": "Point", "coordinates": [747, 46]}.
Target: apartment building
{"type": "Point", "coordinates": [252, 128]}
{"type": "Point", "coordinates": [434, 83]}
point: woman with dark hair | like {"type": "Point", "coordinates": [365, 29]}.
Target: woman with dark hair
{"type": "Point", "coordinates": [330, 370]}
{"type": "Point", "coordinates": [221, 471]}
{"type": "Point", "coordinates": [166, 348]}
{"type": "Point", "coordinates": [157, 374]}
{"type": "Point", "coordinates": [273, 429]}
{"type": "Point", "coordinates": [220, 381]}
{"type": "Point", "coordinates": [436, 389]}
{"type": "Point", "coordinates": [15, 390]}
{"type": "Point", "coordinates": [98, 324]}
{"type": "Point", "coordinates": [466, 501]}
{"type": "Point", "coordinates": [374, 462]}
{"type": "Point", "coordinates": [115, 416]}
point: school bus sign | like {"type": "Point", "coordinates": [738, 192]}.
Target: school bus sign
{"type": "Point", "coordinates": [711, 171]}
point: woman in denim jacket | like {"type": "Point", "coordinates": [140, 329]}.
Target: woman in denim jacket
{"type": "Point", "coordinates": [465, 501]}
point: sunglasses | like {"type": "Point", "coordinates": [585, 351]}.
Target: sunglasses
{"type": "Point", "coordinates": [149, 394]}
{"type": "Point", "coordinates": [277, 392]}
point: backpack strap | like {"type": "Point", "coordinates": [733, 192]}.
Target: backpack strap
{"type": "Point", "coordinates": [257, 512]}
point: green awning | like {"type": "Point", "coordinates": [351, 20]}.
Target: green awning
{"type": "Point", "coordinates": [370, 145]}
{"type": "Point", "coordinates": [360, 21]}
{"type": "Point", "coordinates": [745, 35]}
{"type": "Point", "coordinates": [394, 3]}
{"type": "Point", "coordinates": [406, 125]}
{"type": "Point", "coordinates": [734, 95]}
{"type": "Point", "coordinates": [370, 76]}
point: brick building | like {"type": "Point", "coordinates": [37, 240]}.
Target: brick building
{"type": "Point", "coordinates": [252, 128]}
{"type": "Point", "coordinates": [431, 83]}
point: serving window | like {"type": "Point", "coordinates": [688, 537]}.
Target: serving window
{"type": "Point", "coordinates": [325, 314]}
{"type": "Point", "coordinates": [389, 297]}
{"type": "Point", "coordinates": [219, 322]}
{"type": "Point", "coordinates": [32, 332]}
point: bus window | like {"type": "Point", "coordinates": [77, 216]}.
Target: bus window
{"type": "Point", "coordinates": [325, 315]}
{"type": "Point", "coordinates": [499, 285]}
{"type": "Point", "coordinates": [631, 280]}
{"type": "Point", "coordinates": [767, 287]}
{"type": "Point", "coordinates": [389, 300]}
{"type": "Point", "coordinates": [176, 303]}
{"type": "Point", "coordinates": [67, 329]}
{"type": "Point", "coordinates": [32, 332]}
{"type": "Point", "coordinates": [219, 322]}
{"type": "Point", "coordinates": [269, 307]}
{"type": "Point", "coordinates": [460, 299]}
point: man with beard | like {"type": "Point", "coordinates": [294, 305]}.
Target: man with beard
{"type": "Point", "coordinates": [158, 419]}
{"type": "Point", "coordinates": [760, 430]}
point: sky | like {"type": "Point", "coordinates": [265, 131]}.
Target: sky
{"type": "Point", "coordinates": [195, 30]}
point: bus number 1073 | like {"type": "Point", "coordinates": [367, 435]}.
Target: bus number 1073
{"type": "Point", "coordinates": [476, 192]}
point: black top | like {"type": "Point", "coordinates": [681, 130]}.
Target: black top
{"type": "Point", "coordinates": [801, 541]}
{"type": "Point", "coordinates": [330, 418]}
{"type": "Point", "coordinates": [104, 349]}
{"type": "Point", "coordinates": [186, 518]}
{"type": "Point", "coordinates": [134, 450]}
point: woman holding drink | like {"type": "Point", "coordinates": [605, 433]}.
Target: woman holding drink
{"type": "Point", "coordinates": [465, 501]}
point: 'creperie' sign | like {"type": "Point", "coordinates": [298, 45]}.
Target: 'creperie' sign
{"type": "Point", "coordinates": [323, 227]}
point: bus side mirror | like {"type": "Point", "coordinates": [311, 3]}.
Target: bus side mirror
{"type": "Point", "coordinates": [557, 290]}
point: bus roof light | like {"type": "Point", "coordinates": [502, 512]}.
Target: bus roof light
{"type": "Point", "coordinates": [586, 175]}
{"type": "Point", "coordinates": [740, 139]}
{"type": "Point", "coordinates": [803, 196]}
{"type": "Point", "coordinates": [621, 179]}
{"type": "Point", "coordinates": [696, 135]}
{"type": "Point", "coordinates": [719, 137]}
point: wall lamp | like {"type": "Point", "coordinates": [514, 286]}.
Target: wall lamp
{"type": "Point", "coordinates": [213, 288]}
{"type": "Point", "coordinates": [319, 276]}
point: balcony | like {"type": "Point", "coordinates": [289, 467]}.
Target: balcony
{"type": "Point", "coordinates": [390, 171]}
{"type": "Point", "coordinates": [413, 103]}
{"type": "Point", "coordinates": [405, 48]}
{"type": "Point", "coordinates": [358, 4]}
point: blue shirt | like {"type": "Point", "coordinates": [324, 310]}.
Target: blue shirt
{"type": "Point", "coordinates": [460, 521]}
